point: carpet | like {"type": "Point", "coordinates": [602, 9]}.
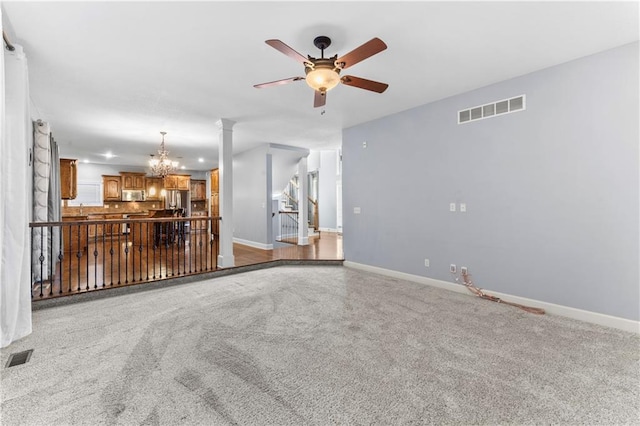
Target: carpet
{"type": "Point", "coordinates": [316, 345]}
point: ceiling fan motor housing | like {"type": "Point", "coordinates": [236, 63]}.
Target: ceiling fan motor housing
{"type": "Point", "coordinates": [322, 42]}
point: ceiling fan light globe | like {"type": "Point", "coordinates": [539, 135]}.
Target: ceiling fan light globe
{"type": "Point", "coordinates": [322, 79]}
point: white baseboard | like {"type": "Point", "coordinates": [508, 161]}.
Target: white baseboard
{"type": "Point", "coordinates": [552, 308]}
{"type": "Point", "coordinates": [328, 230]}
{"type": "Point", "coordinates": [255, 244]}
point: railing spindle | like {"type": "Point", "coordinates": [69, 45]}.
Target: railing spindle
{"type": "Point", "coordinates": [140, 248]}
{"type": "Point", "coordinates": [95, 256]}
{"type": "Point", "coordinates": [61, 258]}
{"type": "Point", "coordinates": [103, 238]}
{"type": "Point", "coordinates": [41, 259]}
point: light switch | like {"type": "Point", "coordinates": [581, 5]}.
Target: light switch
{"type": "Point", "coordinates": [356, 210]}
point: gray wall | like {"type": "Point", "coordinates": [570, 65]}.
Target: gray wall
{"type": "Point", "coordinates": [551, 192]}
{"type": "Point", "coordinates": [327, 190]}
{"type": "Point", "coordinates": [325, 163]}
{"type": "Point", "coordinates": [250, 195]}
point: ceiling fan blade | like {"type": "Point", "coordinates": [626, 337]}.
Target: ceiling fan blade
{"type": "Point", "coordinates": [278, 45]}
{"type": "Point", "coordinates": [363, 83]}
{"type": "Point", "coordinates": [319, 99]}
{"type": "Point", "coordinates": [278, 82]}
{"type": "Point", "coordinates": [370, 48]}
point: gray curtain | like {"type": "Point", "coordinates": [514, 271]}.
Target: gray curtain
{"type": "Point", "coordinates": [54, 200]}
{"type": "Point", "coordinates": [41, 178]}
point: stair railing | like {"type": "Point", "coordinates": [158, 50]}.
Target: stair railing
{"type": "Point", "coordinates": [288, 226]}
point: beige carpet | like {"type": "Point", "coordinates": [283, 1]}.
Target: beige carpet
{"type": "Point", "coordinates": [316, 345]}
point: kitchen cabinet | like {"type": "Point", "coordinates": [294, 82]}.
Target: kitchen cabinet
{"type": "Point", "coordinates": [198, 190]}
{"type": "Point", "coordinates": [132, 180]}
{"type": "Point", "coordinates": [184, 182]}
{"type": "Point", "coordinates": [153, 188]}
{"type": "Point", "coordinates": [111, 188]}
{"type": "Point", "coordinates": [74, 236]}
{"type": "Point", "coordinates": [215, 212]}
{"type": "Point", "coordinates": [215, 186]}
{"type": "Point", "coordinates": [112, 228]}
{"type": "Point", "coordinates": [215, 201]}
{"type": "Point", "coordinates": [179, 182]}
{"type": "Point", "coordinates": [199, 222]}
{"type": "Point", "coordinates": [68, 178]}
{"type": "Point", "coordinates": [96, 229]}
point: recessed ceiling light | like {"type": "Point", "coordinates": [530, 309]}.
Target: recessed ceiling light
{"type": "Point", "coordinates": [85, 161]}
{"type": "Point", "coordinates": [201, 160]}
{"type": "Point", "coordinates": [109, 155]}
{"type": "Point", "coordinates": [183, 167]}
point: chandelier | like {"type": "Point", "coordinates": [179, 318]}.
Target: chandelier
{"type": "Point", "coordinates": [162, 166]}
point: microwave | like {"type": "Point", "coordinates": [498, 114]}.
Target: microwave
{"type": "Point", "coordinates": [133, 195]}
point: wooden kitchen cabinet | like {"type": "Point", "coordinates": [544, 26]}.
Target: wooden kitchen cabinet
{"type": "Point", "coordinates": [68, 178]}
{"type": "Point", "coordinates": [215, 200]}
{"type": "Point", "coordinates": [153, 188]}
{"type": "Point", "coordinates": [170, 182]}
{"type": "Point", "coordinates": [96, 229]}
{"type": "Point", "coordinates": [199, 222]}
{"type": "Point", "coordinates": [215, 185]}
{"type": "Point", "coordinates": [74, 236]}
{"type": "Point", "coordinates": [111, 188]}
{"type": "Point", "coordinates": [198, 190]}
{"type": "Point", "coordinates": [179, 182]}
{"type": "Point", "coordinates": [215, 212]}
{"type": "Point", "coordinates": [132, 180]}
{"type": "Point", "coordinates": [112, 228]}
{"type": "Point", "coordinates": [184, 182]}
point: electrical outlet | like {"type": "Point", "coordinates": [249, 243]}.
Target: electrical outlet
{"type": "Point", "coordinates": [364, 144]}
{"type": "Point", "coordinates": [452, 207]}
{"type": "Point", "coordinates": [426, 263]}
{"type": "Point", "coordinates": [452, 268]}
{"type": "Point", "coordinates": [463, 207]}
{"type": "Point", "coordinates": [356, 210]}
{"type": "Point", "coordinates": [463, 270]}
{"type": "Point", "coordinates": [116, 206]}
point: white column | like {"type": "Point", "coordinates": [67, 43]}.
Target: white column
{"type": "Point", "coordinates": [225, 167]}
{"type": "Point", "coordinates": [303, 203]}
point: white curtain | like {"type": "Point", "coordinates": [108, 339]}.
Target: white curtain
{"type": "Point", "coordinates": [15, 205]}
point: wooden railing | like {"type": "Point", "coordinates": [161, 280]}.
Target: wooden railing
{"type": "Point", "coordinates": [80, 256]}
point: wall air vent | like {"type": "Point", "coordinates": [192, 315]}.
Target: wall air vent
{"type": "Point", "coordinates": [493, 109]}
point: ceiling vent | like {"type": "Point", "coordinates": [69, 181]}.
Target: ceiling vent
{"type": "Point", "coordinates": [493, 109]}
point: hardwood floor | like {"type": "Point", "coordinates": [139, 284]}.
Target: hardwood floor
{"type": "Point", "coordinates": [116, 263]}
{"type": "Point", "coordinates": [327, 246]}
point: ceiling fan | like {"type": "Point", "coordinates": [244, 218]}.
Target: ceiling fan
{"type": "Point", "coordinates": [323, 74]}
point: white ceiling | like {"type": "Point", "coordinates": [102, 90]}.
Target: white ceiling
{"type": "Point", "coordinates": [109, 76]}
